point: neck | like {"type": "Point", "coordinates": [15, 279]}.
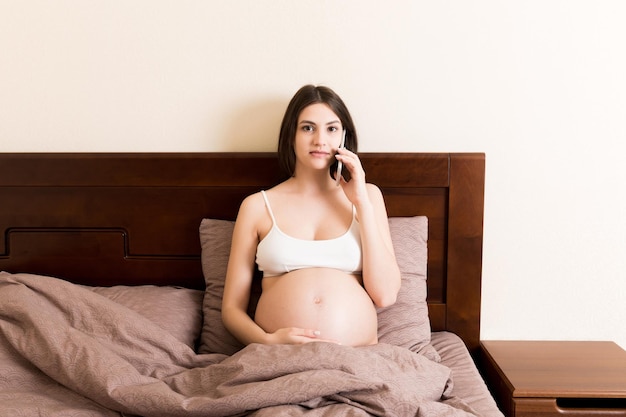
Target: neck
{"type": "Point", "coordinates": [318, 181]}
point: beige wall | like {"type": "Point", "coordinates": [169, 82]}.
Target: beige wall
{"type": "Point", "coordinates": [537, 85]}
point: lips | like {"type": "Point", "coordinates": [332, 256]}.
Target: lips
{"type": "Point", "coordinates": [319, 153]}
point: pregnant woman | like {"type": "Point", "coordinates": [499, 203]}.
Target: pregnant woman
{"type": "Point", "coordinates": [322, 244]}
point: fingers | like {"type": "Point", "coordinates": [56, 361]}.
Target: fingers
{"type": "Point", "coordinates": [309, 333]}
{"type": "Point", "coordinates": [346, 155]}
{"type": "Point", "coordinates": [306, 335]}
{"type": "Point", "coordinates": [351, 161]}
{"type": "Point", "coordinates": [294, 335]}
{"type": "Point", "coordinates": [316, 336]}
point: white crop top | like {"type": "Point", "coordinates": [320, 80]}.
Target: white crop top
{"type": "Point", "coordinates": [279, 253]}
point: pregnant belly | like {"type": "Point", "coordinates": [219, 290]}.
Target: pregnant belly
{"type": "Point", "coordinates": [327, 300]}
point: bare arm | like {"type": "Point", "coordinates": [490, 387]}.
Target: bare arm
{"type": "Point", "coordinates": [381, 275]}
{"type": "Point", "coordinates": [239, 278]}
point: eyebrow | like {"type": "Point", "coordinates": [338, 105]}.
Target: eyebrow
{"type": "Point", "coordinates": [313, 123]}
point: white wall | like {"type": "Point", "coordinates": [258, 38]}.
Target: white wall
{"type": "Point", "coordinates": [539, 86]}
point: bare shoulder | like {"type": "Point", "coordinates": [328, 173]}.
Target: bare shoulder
{"type": "Point", "coordinates": [252, 200]}
{"type": "Point", "coordinates": [250, 207]}
{"type": "Point", "coordinates": [377, 199]}
{"type": "Point", "coordinates": [374, 192]}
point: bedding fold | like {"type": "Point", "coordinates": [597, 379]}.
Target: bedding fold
{"type": "Point", "coordinates": [68, 348]}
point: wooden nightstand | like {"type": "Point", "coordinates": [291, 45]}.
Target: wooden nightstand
{"type": "Point", "coordinates": [544, 378]}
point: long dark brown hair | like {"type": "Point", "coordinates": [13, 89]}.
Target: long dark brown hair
{"type": "Point", "coordinates": [305, 96]}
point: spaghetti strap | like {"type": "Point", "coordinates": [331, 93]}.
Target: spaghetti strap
{"type": "Point", "coordinates": [269, 208]}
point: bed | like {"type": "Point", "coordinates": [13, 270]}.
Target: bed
{"type": "Point", "coordinates": [112, 270]}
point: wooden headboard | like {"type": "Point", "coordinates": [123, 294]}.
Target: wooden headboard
{"type": "Point", "coordinates": [133, 218]}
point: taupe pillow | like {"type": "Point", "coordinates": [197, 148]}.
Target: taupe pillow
{"type": "Point", "coordinates": [406, 322]}
{"type": "Point", "coordinates": [215, 239]}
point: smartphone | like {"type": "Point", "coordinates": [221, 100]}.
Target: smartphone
{"type": "Point", "coordinates": [339, 163]}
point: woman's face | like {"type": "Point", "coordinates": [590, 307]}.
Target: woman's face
{"type": "Point", "coordinates": [318, 135]}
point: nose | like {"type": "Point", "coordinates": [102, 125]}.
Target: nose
{"type": "Point", "coordinates": [322, 138]}
{"type": "Point", "coordinates": [318, 139]}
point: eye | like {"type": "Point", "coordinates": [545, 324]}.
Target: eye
{"type": "Point", "coordinates": [307, 128]}
{"type": "Point", "coordinates": [332, 128]}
